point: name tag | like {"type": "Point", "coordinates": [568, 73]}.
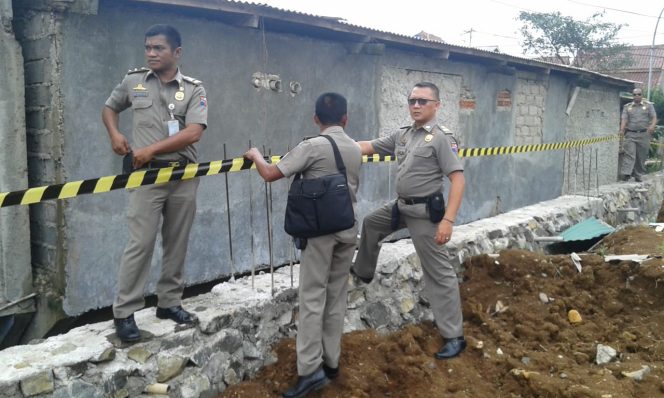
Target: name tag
{"type": "Point", "coordinates": [173, 127]}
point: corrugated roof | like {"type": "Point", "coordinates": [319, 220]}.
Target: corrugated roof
{"type": "Point", "coordinates": [330, 26]}
{"type": "Point", "coordinates": [588, 229]}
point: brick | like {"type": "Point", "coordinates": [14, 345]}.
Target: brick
{"type": "Point", "coordinates": [40, 142]}
{"type": "Point", "coordinates": [38, 72]}
{"type": "Point", "coordinates": [34, 26]}
{"type": "Point", "coordinates": [38, 95]}
{"type": "Point", "coordinates": [37, 49]}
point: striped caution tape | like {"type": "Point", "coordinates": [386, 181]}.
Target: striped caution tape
{"type": "Point", "coordinates": [194, 170]}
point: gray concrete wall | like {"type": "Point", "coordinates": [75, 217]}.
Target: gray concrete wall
{"type": "Point", "coordinates": [15, 271]}
{"type": "Point", "coordinates": [81, 240]}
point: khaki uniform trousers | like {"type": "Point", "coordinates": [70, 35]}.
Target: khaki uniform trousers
{"type": "Point", "coordinates": [441, 285]}
{"type": "Point", "coordinates": [324, 271]}
{"type": "Point", "coordinates": [176, 202]}
{"type": "Point", "coordinates": [635, 153]}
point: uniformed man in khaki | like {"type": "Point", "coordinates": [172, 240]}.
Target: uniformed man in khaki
{"type": "Point", "coordinates": [325, 262]}
{"type": "Point", "coordinates": [636, 128]}
{"type": "Point", "coordinates": [169, 116]}
{"type": "Point", "coordinates": [426, 153]}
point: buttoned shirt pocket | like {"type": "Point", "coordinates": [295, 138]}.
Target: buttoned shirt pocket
{"type": "Point", "coordinates": [423, 158]}
{"type": "Point", "coordinates": [143, 111]}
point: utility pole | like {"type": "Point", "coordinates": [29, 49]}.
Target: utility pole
{"type": "Point", "coordinates": [652, 49]}
{"type": "Point", "coordinates": [470, 38]}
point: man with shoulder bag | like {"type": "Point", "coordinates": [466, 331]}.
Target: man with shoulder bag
{"type": "Point", "coordinates": [426, 153]}
{"type": "Point", "coordinates": [322, 163]}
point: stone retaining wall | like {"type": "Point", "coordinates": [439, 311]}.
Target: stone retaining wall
{"type": "Point", "coordinates": [239, 323]}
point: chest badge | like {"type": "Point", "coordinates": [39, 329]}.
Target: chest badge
{"type": "Point", "coordinates": [179, 96]}
{"type": "Point", "coordinates": [428, 138]}
{"type": "Point", "coordinates": [139, 87]}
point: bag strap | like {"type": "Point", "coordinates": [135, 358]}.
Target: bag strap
{"type": "Point", "coordinates": [337, 156]}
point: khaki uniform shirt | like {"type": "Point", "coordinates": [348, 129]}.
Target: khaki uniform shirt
{"type": "Point", "coordinates": [424, 156]}
{"type": "Point", "coordinates": [638, 116]}
{"type": "Point", "coordinates": [151, 100]}
{"type": "Point", "coordinates": [315, 158]}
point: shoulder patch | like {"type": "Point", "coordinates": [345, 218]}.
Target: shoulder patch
{"type": "Point", "coordinates": [192, 80]}
{"type": "Point", "coordinates": [137, 70]}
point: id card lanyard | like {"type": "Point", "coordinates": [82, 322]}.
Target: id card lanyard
{"type": "Point", "coordinates": [173, 125]}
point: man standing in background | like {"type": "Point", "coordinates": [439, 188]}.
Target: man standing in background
{"type": "Point", "coordinates": [637, 125]}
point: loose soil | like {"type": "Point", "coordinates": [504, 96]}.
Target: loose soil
{"type": "Point", "coordinates": [529, 348]}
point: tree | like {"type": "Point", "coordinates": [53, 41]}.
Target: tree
{"type": "Point", "coordinates": [587, 44]}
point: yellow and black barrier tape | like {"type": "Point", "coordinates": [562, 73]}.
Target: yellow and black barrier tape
{"type": "Point", "coordinates": [193, 170]}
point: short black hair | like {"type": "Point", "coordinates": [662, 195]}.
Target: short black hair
{"type": "Point", "coordinates": [431, 86]}
{"type": "Point", "coordinates": [172, 35]}
{"type": "Point", "coordinates": [331, 108]}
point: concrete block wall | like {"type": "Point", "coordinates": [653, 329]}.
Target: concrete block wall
{"type": "Point", "coordinates": [530, 99]}
{"type": "Point", "coordinates": [38, 34]}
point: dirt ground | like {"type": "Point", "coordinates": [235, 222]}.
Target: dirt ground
{"type": "Point", "coordinates": [529, 348]}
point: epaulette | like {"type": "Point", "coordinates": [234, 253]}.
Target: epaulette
{"type": "Point", "coordinates": [192, 80]}
{"type": "Point", "coordinates": [445, 130]}
{"type": "Point", "coordinates": [137, 70]}
{"type": "Point", "coordinates": [405, 127]}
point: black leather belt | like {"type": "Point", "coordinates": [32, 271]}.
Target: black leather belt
{"type": "Point", "coordinates": [413, 201]}
{"type": "Point", "coordinates": [158, 164]}
{"type": "Point", "coordinates": [638, 131]}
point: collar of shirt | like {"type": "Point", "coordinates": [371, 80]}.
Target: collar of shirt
{"type": "Point", "coordinates": [427, 127]}
{"type": "Point", "coordinates": [177, 78]}
{"type": "Point", "coordinates": [332, 130]}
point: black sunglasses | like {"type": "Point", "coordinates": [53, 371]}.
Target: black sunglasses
{"type": "Point", "coordinates": [420, 101]}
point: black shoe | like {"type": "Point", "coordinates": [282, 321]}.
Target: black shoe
{"type": "Point", "coordinates": [307, 384]}
{"type": "Point", "coordinates": [638, 179]}
{"type": "Point", "coordinates": [126, 329]}
{"type": "Point", "coordinates": [331, 373]}
{"type": "Point", "coordinates": [176, 314]}
{"type": "Point", "coordinates": [625, 177]}
{"type": "Point", "coordinates": [362, 278]}
{"type": "Point", "coordinates": [451, 348]}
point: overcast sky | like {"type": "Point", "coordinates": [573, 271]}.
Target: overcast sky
{"type": "Point", "coordinates": [493, 21]}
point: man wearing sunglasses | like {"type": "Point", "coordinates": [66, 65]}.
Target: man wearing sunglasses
{"type": "Point", "coordinates": [426, 153]}
{"type": "Point", "coordinates": [636, 127]}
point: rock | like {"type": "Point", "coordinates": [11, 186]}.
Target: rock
{"type": "Point", "coordinates": [376, 315]}
{"type": "Point", "coordinates": [544, 298]}
{"type": "Point", "coordinates": [216, 366]}
{"type": "Point", "coordinates": [637, 375]}
{"type": "Point", "coordinates": [407, 305]}
{"type": "Point", "coordinates": [574, 317]}
{"type": "Point", "coordinates": [525, 361]}
{"type": "Point", "coordinates": [40, 383]}
{"type": "Point", "coordinates": [78, 388]}
{"type": "Point", "coordinates": [250, 351]}
{"type": "Point", "coordinates": [107, 355]}
{"type": "Point", "coordinates": [169, 367]}
{"type": "Point", "coordinates": [605, 354]}
{"type": "Point", "coordinates": [139, 354]}
{"type": "Point", "coordinates": [499, 352]}
{"type": "Point", "coordinates": [193, 386]}
{"type": "Point", "coordinates": [231, 377]}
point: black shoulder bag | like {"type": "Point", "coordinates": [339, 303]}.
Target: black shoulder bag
{"type": "Point", "coordinates": [320, 206]}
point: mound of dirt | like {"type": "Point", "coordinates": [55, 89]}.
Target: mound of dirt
{"type": "Point", "coordinates": [521, 343]}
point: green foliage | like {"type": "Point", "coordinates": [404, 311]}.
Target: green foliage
{"type": "Point", "coordinates": [591, 43]}
{"type": "Point", "coordinates": [657, 99]}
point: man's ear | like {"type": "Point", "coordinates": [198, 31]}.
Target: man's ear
{"type": "Point", "coordinates": [178, 52]}
{"type": "Point", "coordinates": [344, 120]}
{"type": "Point", "coordinates": [317, 121]}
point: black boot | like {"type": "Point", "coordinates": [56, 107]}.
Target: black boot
{"type": "Point", "coordinates": [331, 373]}
{"type": "Point", "coordinates": [451, 348]}
{"type": "Point", "coordinates": [307, 384]}
{"type": "Point", "coordinates": [126, 329]}
{"type": "Point", "coordinates": [176, 314]}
